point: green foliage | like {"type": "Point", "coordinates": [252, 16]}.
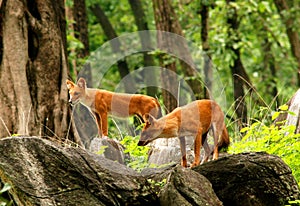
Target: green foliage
{"type": "Point", "coordinates": [259, 26]}
{"type": "Point", "coordinates": [281, 141]}
{"type": "Point", "coordinates": [138, 155]}
{"type": "Point", "coordinates": [282, 109]}
{"type": "Point", "coordinates": [294, 203]}
{"type": "Point", "coordinates": [74, 45]}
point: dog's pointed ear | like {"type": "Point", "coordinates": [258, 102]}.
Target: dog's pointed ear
{"type": "Point", "coordinates": [70, 84]}
{"type": "Point", "coordinates": [149, 118]}
{"type": "Point", "coordinates": [81, 83]}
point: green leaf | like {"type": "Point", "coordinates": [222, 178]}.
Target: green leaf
{"type": "Point", "coordinates": [292, 113]}
{"type": "Point", "coordinates": [245, 129]}
{"type": "Point", "coordinates": [275, 115]}
{"type": "Point", "coordinates": [284, 107]}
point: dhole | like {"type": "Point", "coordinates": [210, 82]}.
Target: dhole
{"type": "Point", "coordinates": [194, 119]}
{"type": "Point", "coordinates": [103, 103]}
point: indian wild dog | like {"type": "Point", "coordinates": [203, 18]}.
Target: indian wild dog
{"type": "Point", "coordinates": [103, 103]}
{"type": "Point", "coordinates": [194, 119]}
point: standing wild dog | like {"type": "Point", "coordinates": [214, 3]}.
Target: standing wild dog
{"type": "Point", "coordinates": [103, 103]}
{"type": "Point", "coordinates": [193, 119]}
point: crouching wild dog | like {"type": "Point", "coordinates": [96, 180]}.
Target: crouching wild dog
{"type": "Point", "coordinates": [103, 103]}
{"type": "Point", "coordinates": [194, 119]}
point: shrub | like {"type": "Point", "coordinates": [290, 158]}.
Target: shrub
{"type": "Point", "coordinates": [280, 141]}
{"type": "Point", "coordinates": [138, 155]}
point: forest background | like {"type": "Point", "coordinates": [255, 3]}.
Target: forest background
{"type": "Point", "coordinates": [253, 47]}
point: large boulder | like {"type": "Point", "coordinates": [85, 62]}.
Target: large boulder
{"type": "Point", "coordinates": [41, 172]}
{"type": "Point", "coordinates": [251, 179]}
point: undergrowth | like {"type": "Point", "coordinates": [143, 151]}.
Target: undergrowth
{"type": "Point", "coordinates": [276, 139]}
{"type": "Point", "coordinates": [138, 155]}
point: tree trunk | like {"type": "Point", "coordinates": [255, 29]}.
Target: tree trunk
{"type": "Point", "coordinates": [290, 22]}
{"type": "Point", "coordinates": [269, 63]}
{"type": "Point", "coordinates": [166, 20]}
{"type": "Point", "coordinates": [239, 75]}
{"type": "Point", "coordinates": [77, 17]}
{"type": "Point", "coordinates": [142, 25]}
{"type": "Point", "coordinates": [33, 96]}
{"type": "Point", "coordinates": [116, 46]}
{"type": "Point", "coordinates": [168, 78]}
{"type": "Point", "coordinates": [204, 12]}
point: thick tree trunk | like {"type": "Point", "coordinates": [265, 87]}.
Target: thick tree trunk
{"type": "Point", "coordinates": [116, 46]}
{"type": "Point", "coordinates": [33, 95]}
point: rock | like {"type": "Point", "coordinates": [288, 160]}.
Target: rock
{"type": "Point", "coordinates": [182, 187]}
{"type": "Point", "coordinates": [108, 148]}
{"type": "Point", "coordinates": [294, 107]}
{"type": "Point", "coordinates": [251, 179]}
{"type": "Point", "coordinates": [293, 116]}
{"type": "Point", "coordinates": [42, 173]}
{"type": "Point", "coordinates": [85, 124]}
{"type": "Point", "coordinates": [165, 151]}
{"type": "Point", "coordinates": [87, 129]}
{"type": "Point", "coordinates": [185, 187]}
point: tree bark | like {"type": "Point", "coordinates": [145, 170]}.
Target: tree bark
{"type": "Point", "coordinates": [162, 15]}
{"type": "Point", "coordinates": [33, 95]}
{"type": "Point", "coordinates": [269, 63]}
{"type": "Point", "coordinates": [142, 25]}
{"type": "Point", "coordinates": [78, 26]}
{"type": "Point", "coordinates": [293, 36]}
{"type": "Point", "coordinates": [116, 46]}
{"type": "Point", "coordinates": [166, 20]}
{"type": "Point", "coordinates": [204, 12]}
{"type": "Point", "coordinates": [239, 75]}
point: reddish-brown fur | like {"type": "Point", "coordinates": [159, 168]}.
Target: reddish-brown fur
{"type": "Point", "coordinates": [103, 103]}
{"type": "Point", "coordinates": [193, 119]}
